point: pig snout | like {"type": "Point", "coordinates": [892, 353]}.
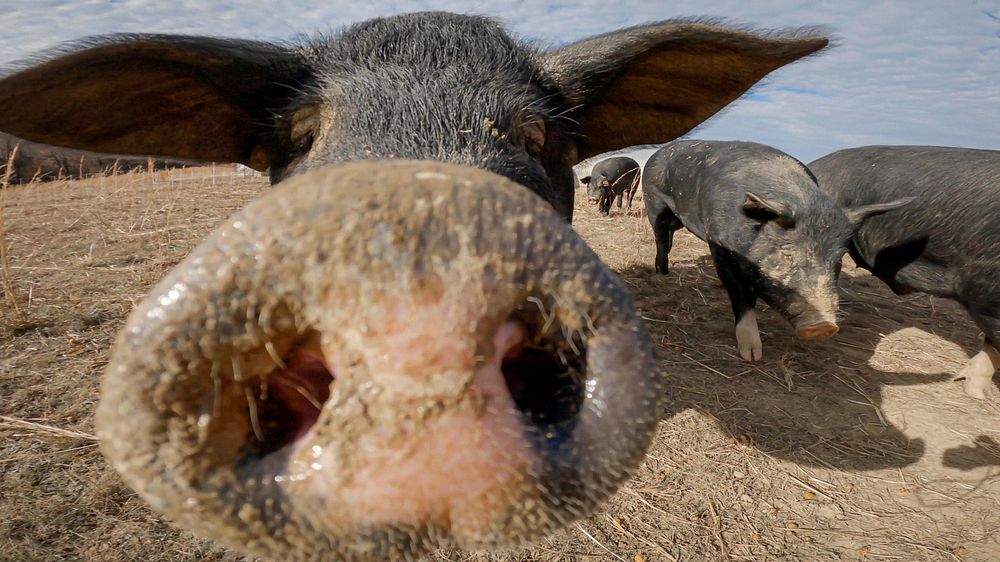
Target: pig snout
{"type": "Point", "coordinates": [818, 320]}
{"type": "Point", "coordinates": [818, 330]}
{"type": "Point", "coordinates": [377, 359]}
{"type": "Point", "coordinates": [806, 297]}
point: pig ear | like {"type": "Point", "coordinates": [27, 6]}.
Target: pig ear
{"type": "Point", "coordinates": [762, 210]}
{"type": "Point", "coordinates": [858, 215]}
{"type": "Point", "coordinates": [194, 98]}
{"type": "Point", "coordinates": [654, 83]}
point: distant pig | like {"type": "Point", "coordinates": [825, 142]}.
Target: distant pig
{"type": "Point", "coordinates": [772, 233]}
{"type": "Point", "coordinates": [612, 179]}
{"type": "Point", "coordinates": [946, 243]}
{"type": "Point", "coordinates": [400, 347]}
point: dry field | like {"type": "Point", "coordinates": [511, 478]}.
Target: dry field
{"type": "Point", "coordinates": [859, 448]}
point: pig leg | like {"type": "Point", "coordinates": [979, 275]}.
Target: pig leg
{"type": "Point", "coordinates": [632, 191]}
{"type": "Point", "coordinates": [604, 203]}
{"type": "Point", "coordinates": [978, 294]}
{"type": "Point", "coordinates": [619, 199]}
{"type": "Point", "coordinates": [743, 299]}
{"type": "Point", "coordinates": [664, 226]}
{"type": "Point", "coordinates": [978, 373]}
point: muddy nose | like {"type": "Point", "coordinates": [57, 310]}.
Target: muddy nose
{"type": "Point", "coordinates": [377, 359]}
{"type": "Point", "coordinates": [818, 331]}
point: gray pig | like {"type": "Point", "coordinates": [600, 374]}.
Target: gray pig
{"type": "Point", "coordinates": [612, 179]}
{"type": "Point", "coordinates": [947, 243]}
{"type": "Point", "coordinates": [405, 351]}
{"type": "Point", "coordinates": [772, 233]}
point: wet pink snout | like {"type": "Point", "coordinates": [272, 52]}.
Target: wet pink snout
{"type": "Point", "coordinates": [381, 358]}
{"type": "Point", "coordinates": [458, 469]}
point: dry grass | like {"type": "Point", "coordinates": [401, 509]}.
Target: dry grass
{"type": "Point", "coordinates": [6, 282]}
{"type": "Point", "coordinates": [860, 448]}
{"type": "Point", "coordinates": [82, 254]}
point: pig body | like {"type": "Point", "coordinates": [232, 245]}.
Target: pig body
{"type": "Point", "coordinates": [946, 243]}
{"type": "Point", "coordinates": [772, 233]}
{"type": "Point", "coordinates": [612, 179]}
{"type": "Point", "coordinates": [364, 373]}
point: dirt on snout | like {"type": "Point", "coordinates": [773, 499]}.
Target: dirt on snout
{"type": "Point", "coordinates": [860, 447]}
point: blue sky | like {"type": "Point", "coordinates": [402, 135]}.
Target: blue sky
{"type": "Point", "coordinates": [906, 72]}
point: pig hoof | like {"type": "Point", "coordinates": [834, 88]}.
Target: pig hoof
{"type": "Point", "coordinates": [979, 390]}
{"type": "Point", "coordinates": [978, 374]}
{"type": "Point", "coordinates": [751, 350]}
{"type": "Point", "coordinates": [748, 337]}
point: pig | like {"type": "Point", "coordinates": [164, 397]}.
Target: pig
{"type": "Point", "coordinates": [23, 162]}
{"type": "Point", "coordinates": [404, 345]}
{"type": "Point", "coordinates": [772, 232]}
{"type": "Point", "coordinates": [610, 179]}
{"type": "Point", "coordinates": [946, 243]}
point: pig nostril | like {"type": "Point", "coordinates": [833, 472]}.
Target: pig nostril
{"type": "Point", "coordinates": [545, 377]}
{"type": "Point", "coordinates": [293, 402]}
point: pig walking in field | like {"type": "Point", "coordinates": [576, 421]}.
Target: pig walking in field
{"type": "Point", "coordinates": [401, 347]}
{"type": "Point", "coordinates": [946, 243]}
{"type": "Point", "coordinates": [612, 179]}
{"type": "Point", "coordinates": [772, 233]}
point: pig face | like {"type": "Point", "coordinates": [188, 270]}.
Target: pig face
{"type": "Point", "coordinates": [796, 254]}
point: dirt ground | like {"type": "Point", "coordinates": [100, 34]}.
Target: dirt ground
{"type": "Point", "coordinates": [856, 448]}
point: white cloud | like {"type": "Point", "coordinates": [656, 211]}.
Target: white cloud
{"type": "Point", "coordinates": [916, 72]}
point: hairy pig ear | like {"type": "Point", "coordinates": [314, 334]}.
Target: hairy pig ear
{"type": "Point", "coordinates": [194, 98]}
{"type": "Point", "coordinates": [858, 215]}
{"type": "Point", "coordinates": [654, 83]}
{"type": "Point", "coordinates": [763, 210]}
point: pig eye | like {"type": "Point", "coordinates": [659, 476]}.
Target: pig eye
{"type": "Point", "coordinates": [531, 133]}
{"type": "Point", "coordinates": [302, 144]}
{"type": "Point", "coordinates": [305, 123]}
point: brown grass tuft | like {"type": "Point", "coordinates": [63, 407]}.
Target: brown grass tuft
{"type": "Point", "coordinates": [6, 279]}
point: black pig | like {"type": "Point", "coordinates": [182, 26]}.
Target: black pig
{"type": "Point", "coordinates": [946, 243]}
{"type": "Point", "coordinates": [772, 233]}
{"type": "Point", "coordinates": [612, 179]}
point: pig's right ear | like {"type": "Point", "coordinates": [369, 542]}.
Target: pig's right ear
{"type": "Point", "coordinates": [763, 210]}
{"type": "Point", "coordinates": [858, 215]}
{"type": "Point", "coordinates": [193, 98]}
{"type": "Point", "coordinates": [654, 83]}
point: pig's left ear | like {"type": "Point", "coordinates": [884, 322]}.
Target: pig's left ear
{"type": "Point", "coordinates": [763, 210]}
{"type": "Point", "coordinates": [653, 83]}
{"type": "Point", "coordinates": [196, 98]}
{"type": "Point", "coordinates": [858, 215]}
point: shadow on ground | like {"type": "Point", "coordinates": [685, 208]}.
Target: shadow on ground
{"type": "Point", "coordinates": [817, 403]}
